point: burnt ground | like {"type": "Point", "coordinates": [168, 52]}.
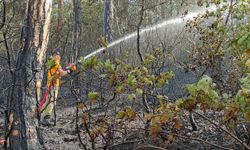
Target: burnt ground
{"type": "Point", "coordinates": [63, 136]}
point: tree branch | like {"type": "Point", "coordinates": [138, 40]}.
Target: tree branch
{"type": "Point", "coordinates": [138, 31]}
{"type": "Point", "coordinates": [149, 146]}
{"type": "Point", "coordinates": [229, 12]}
{"type": "Point", "coordinates": [225, 130]}
{"type": "Point", "coordinates": [75, 92]}
{"type": "Point", "coordinates": [201, 140]}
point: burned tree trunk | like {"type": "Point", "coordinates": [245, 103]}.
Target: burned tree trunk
{"type": "Point", "coordinates": [22, 132]}
{"type": "Point", "coordinates": [60, 17]}
{"type": "Point", "coordinates": [59, 24]}
{"type": "Point", "coordinates": [108, 13]}
{"type": "Point", "coordinates": [77, 28]}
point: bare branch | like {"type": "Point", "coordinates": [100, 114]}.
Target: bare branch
{"type": "Point", "coordinates": [225, 130]}
{"type": "Point", "coordinates": [201, 140]}
{"type": "Point", "coordinates": [138, 30]}
{"type": "Point", "coordinates": [149, 146]}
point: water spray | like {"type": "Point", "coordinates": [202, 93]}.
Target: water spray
{"type": "Point", "coordinates": [180, 19]}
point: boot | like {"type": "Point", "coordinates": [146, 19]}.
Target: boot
{"type": "Point", "coordinates": [46, 121]}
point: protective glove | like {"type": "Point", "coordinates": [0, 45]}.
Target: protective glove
{"type": "Point", "coordinates": [71, 67]}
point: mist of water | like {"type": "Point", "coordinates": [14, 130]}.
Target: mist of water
{"type": "Point", "coordinates": [177, 20]}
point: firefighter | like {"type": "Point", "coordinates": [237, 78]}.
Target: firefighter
{"type": "Point", "coordinates": [55, 72]}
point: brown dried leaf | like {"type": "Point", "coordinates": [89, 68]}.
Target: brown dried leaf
{"type": "Point", "coordinates": [164, 117]}
{"type": "Point", "coordinates": [247, 116]}
{"type": "Point", "coordinates": [148, 116]}
{"type": "Point", "coordinates": [85, 117]}
{"type": "Point", "coordinates": [177, 124]}
{"type": "Point", "coordinates": [80, 106]}
{"type": "Point", "coordinates": [155, 129]}
{"type": "Point", "coordinates": [121, 115]}
{"type": "Point", "coordinates": [130, 114]}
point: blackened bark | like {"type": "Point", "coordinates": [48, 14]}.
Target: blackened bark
{"type": "Point", "coordinates": [60, 17]}
{"type": "Point", "coordinates": [76, 47]}
{"type": "Point", "coordinates": [108, 13]}
{"type": "Point", "coordinates": [22, 108]}
{"type": "Point", "coordinates": [77, 28]}
{"type": "Point", "coordinates": [59, 26]}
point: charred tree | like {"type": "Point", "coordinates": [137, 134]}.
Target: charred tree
{"type": "Point", "coordinates": [60, 16]}
{"type": "Point", "coordinates": [59, 24]}
{"type": "Point", "coordinates": [77, 28]}
{"type": "Point", "coordinates": [107, 16]}
{"type": "Point", "coordinates": [22, 131]}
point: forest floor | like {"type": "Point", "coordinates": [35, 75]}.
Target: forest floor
{"type": "Point", "coordinates": [63, 136]}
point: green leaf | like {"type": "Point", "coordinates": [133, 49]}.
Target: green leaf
{"type": "Point", "coordinates": [204, 83]}
{"type": "Point", "coordinates": [50, 63]}
{"type": "Point", "coordinates": [160, 97]}
{"type": "Point", "coordinates": [103, 75]}
{"type": "Point", "coordinates": [109, 66]}
{"type": "Point", "coordinates": [168, 75]}
{"type": "Point", "coordinates": [139, 91]}
{"type": "Point", "coordinates": [92, 96]}
{"type": "Point", "coordinates": [248, 44]}
{"type": "Point", "coordinates": [120, 115]}
{"type": "Point", "coordinates": [245, 83]}
{"type": "Point", "coordinates": [146, 81]}
{"type": "Point", "coordinates": [191, 89]}
{"type": "Point", "coordinates": [119, 88]}
{"type": "Point", "coordinates": [179, 102]}
{"type": "Point", "coordinates": [217, 1]}
{"type": "Point", "coordinates": [213, 95]}
{"type": "Point", "coordinates": [144, 69]}
{"type": "Point", "coordinates": [126, 55]}
{"type": "Point", "coordinates": [131, 80]}
{"type": "Point", "coordinates": [241, 101]}
{"type": "Point", "coordinates": [242, 40]}
{"type": "Point", "coordinates": [160, 82]}
{"type": "Point", "coordinates": [118, 61]}
{"type": "Point", "coordinates": [131, 97]}
{"type": "Point", "coordinates": [92, 63]}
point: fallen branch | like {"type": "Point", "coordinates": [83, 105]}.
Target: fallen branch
{"type": "Point", "coordinates": [124, 143]}
{"type": "Point", "coordinates": [225, 130]}
{"type": "Point", "coordinates": [149, 146]}
{"type": "Point", "coordinates": [201, 140]}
